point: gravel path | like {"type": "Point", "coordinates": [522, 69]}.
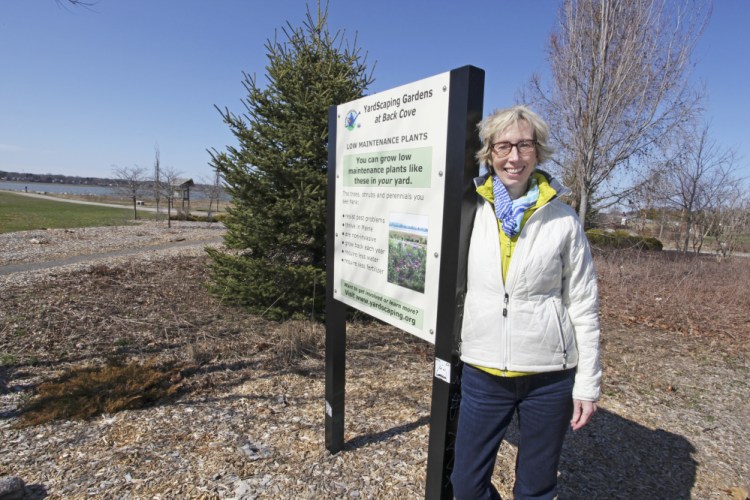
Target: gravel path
{"type": "Point", "coordinates": [94, 257]}
{"type": "Point", "coordinates": [27, 253]}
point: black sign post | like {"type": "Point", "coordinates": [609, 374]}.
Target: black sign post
{"type": "Point", "coordinates": [464, 112]}
{"type": "Point", "coordinates": [335, 314]}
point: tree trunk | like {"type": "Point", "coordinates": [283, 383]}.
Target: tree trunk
{"type": "Point", "coordinates": [661, 224]}
{"type": "Point", "coordinates": [688, 227]}
{"type": "Point", "coordinates": [583, 207]}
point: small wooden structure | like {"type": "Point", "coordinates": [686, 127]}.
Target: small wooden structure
{"type": "Point", "coordinates": [181, 191]}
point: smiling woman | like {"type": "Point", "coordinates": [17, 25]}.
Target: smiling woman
{"type": "Point", "coordinates": [21, 213]}
{"type": "Point", "coordinates": [530, 331]}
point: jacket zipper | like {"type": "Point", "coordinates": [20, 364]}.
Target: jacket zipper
{"type": "Point", "coordinates": [505, 282]}
{"type": "Point", "coordinates": [506, 355]}
{"type": "Point", "coordinates": [506, 298]}
{"type": "Point", "coordinates": [562, 341]}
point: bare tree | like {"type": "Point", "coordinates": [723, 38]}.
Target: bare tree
{"type": "Point", "coordinates": [646, 199]}
{"type": "Point", "coordinates": [619, 85]}
{"type": "Point", "coordinates": [734, 224]}
{"type": "Point", "coordinates": [131, 181]}
{"type": "Point", "coordinates": [157, 178]}
{"type": "Point", "coordinates": [728, 222]}
{"type": "Point", "coordinates": [214, 190]}
{"type": "Point", "coordinates": [700, 184]}
{"type": "Point", "coordinates": [169, 175]}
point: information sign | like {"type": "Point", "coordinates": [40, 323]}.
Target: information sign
{"type": "Point", "coordinates": [390, 185]}
{"type": "Point", "coordinates": [401, 205]}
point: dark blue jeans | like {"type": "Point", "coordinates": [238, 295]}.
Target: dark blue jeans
{"type": "Point", "coordinates": [544, 403]}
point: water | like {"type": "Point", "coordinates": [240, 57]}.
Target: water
{"type": "Point", "coordinates": [81, 189]}
{"type": "Point", "coordinates": [55, 188]}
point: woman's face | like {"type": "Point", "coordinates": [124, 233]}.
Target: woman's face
{"type": "Point", "coordinates": [514, 169]}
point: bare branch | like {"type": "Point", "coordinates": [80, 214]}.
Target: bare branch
{"type": "Point", "coordinates": [620, 85]}
{"type": "Point", "coordinates": [77, 3]}
{"type": "Point", "coordinates": [169, 177]}
{"type": "Point", "coordinates": [702, 185]}
{"type": "Point", "coordinates": [131, 182]}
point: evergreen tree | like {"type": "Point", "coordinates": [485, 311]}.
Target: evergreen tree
{"type": "Point", "coordinates": [276, 176]}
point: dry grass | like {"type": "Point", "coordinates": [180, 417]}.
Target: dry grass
{"type": "Point", "coordinates": [136, 310]}
{"type": "Point", "coordinates": [699, 296]}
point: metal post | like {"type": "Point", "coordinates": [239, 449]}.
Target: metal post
{"type": "Point", "coordinates": [464, 112]}
{"type": "Point", "coordinates": [335, 315]}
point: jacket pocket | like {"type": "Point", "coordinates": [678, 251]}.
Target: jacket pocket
{"type": "Point", "coordinates": [558, 318]}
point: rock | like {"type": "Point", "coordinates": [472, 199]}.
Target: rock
{"type": "Point", "coordinates": [255, 452]}
{"type": "Point", "coordinates": [12, 488]}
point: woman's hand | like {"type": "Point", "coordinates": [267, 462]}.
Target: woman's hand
{"type": "Point", "coordinates": [582, 413]}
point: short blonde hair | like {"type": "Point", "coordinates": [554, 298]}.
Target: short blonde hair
{"type": "Point", "coordinates": [500, 120]}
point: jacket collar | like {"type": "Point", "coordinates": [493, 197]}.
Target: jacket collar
{"type": "Point", "coordinates": [559, 188]}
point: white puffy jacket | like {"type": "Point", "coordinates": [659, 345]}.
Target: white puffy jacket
{"type": "Point", "coordinates": [546, 316]}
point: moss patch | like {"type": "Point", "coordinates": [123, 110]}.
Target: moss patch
{"type": "Point", "coordinates": [86, 392]}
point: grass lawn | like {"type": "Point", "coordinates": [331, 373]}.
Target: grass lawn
{"type": "Point", "coordinates": [22, 213]}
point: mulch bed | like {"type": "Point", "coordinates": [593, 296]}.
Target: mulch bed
{"type": "Point", "coordinates": [247, 421]}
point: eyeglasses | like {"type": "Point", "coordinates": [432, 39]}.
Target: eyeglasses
{"type": "Point", "coordinates": [525, 148]}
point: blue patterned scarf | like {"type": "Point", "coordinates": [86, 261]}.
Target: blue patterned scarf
{"type": "Point", "coordinates": [510, 212]}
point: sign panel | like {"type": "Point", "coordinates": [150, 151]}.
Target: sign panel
{"type": "Point", "coordinates": [390, 184]}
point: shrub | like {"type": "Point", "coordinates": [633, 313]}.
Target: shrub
{"type": "Point", "coordinates": [277, 173]}
{"type": "Point", "coordinates": [620, 239]}
{"type": "Point", "coordinates": [200, 218]}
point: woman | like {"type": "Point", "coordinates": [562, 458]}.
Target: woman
{"type": "Point", "coordinates": [530, 334]}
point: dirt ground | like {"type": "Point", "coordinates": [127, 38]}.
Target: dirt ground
{"type": "Point", "coordinates": [247, 421]}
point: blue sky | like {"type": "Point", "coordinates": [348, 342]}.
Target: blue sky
{"type": "Point", "coordinates": [83, 89]}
